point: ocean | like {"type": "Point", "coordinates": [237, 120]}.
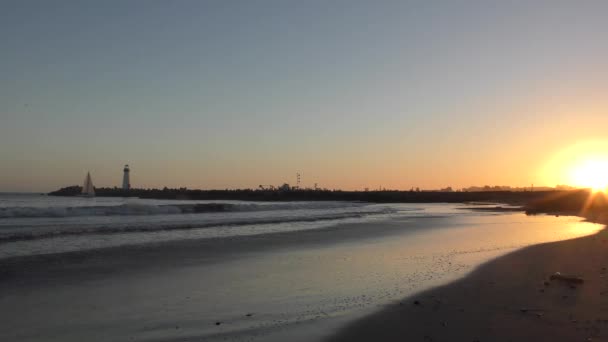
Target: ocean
{"type": "Point", "coordinates": [38, 224]}
{"type": "Point", "coordinates": [156, 270]}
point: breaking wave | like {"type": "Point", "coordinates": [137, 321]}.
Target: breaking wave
{"type": "Point", "coordinates": [130, 209]}
{"type": "Point", "coordinates": [113, 228]}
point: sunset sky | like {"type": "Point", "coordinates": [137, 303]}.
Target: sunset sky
{"type": "Point", "coordinates": [351, 94]}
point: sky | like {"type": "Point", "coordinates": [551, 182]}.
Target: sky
{"type": "Point", "coordinates": [350, 94]}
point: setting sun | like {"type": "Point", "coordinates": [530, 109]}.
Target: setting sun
{"type": "Point", "coordinates": [591, 174]}
{"type": "Point", "coordinates": [584, 165]}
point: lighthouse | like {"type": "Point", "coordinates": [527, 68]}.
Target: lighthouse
{"type": "Point", "coordinates": [126, 182]}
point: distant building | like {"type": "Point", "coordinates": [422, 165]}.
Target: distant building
{"type": "Point", "coordinates": [126, 181]}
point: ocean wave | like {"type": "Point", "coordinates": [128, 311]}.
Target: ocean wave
{"type": "Point", "coordinates": [125, 209]}
{"type": "Point", "coordinates": [66, 230]}
{"type": "Point", "coordinates": [130, 209]}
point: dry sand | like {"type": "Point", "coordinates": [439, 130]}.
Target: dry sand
{"type": "Point", "coordinates": [509, 299]}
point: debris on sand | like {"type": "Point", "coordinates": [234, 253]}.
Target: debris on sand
{"type": "Point", "coordinates": [567, 278]}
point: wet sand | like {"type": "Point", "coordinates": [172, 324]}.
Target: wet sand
{"type": "Point", "coordinates": [508, 299]}
{"type": "Point", "coordinates": [38, 270]}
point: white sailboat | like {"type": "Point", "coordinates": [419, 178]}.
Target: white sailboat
{"type": "Point", "coordinates": [87, 188]}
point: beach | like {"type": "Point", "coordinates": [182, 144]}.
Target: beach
{"type": "Point", "coordinates": [512, 298]}
{"type": "Point", "coordinates": [310, 281]}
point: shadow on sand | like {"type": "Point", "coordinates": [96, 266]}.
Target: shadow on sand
{"type": "Point", "coordinates": [508, 299]}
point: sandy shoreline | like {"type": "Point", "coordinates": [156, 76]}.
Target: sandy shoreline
{"type": "Point", "coordinates": [508, 299]}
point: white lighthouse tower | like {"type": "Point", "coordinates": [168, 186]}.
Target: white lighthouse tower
{"type": "Point", "coordinates": [126, 182]}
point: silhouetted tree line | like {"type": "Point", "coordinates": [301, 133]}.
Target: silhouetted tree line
{"type": "Point", "coordinates": [317, 195]}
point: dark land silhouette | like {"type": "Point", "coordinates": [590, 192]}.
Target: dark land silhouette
{"type": "Point", "coordinates": [385, 196]}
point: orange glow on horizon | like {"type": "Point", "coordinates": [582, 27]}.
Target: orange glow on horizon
{"type": "Point", "coordinates": [592, 173]}
{"type": "Point", "coordinates": [582, 165]}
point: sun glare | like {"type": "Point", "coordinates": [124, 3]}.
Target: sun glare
{"type": "Point", "coordinates": [591, 174]}
{"type": "Point", "coordinates": [584, 165]}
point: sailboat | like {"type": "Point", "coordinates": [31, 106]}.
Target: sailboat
{"type": "Point", "coordinates": [87, 188]}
